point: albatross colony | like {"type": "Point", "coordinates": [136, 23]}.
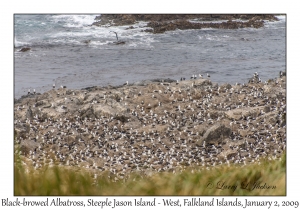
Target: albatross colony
{"type": "Point", "coordinates": [153, 126]}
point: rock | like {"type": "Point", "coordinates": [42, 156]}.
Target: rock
{"type": "Point", "coordinates": [215, 85]}
{"type": "Point", "coordinates": [119, 42]}
{"type": "Point", "coordinates": [43, 96]}
{"type": "Point", "coordinates": [61, 109]}
{"type": "Point", "coordinates": [163, 80]}
{"type": "Point", "coordinates": [24, 150]}
{"type": "Point", "coordinates": [21, 130]}
{"type": "Point", "coordinates": [39, 103]}
{"type": "Point", "coordinates": [133, 125]}
{"type": "Point", "coordinates": [27, 146]}
{"type": "Point", "coordinates": [29, 113]}
{"type": "Point", "coordinates": [231, 155]}
{"type": "Point", "coordinates": [201, 130]}
{"type": "Point", "coordinates": [283, 118]}
{"type": "Point", "coordinates": [146, 82]}
{"type": "Point", "coordinates": [161, 23]}
{"type": "Point", "coordinates": [215, 134]}
{"type": "Point", "coordinates": [267, 109]}
{"type": "Point", "coordinates": [122, 118]}
{"type": "Point", "coordinates": [111, 107]}
{"type": "Point", "coordinates": [24, 49]}
{"type": "Point", "coordinates": [282, 74]}
{"type": "Point", "coordinates": [243, 133]}
{"type": "Point", "coordinates": [272, 121]}
{"type": "Point", "coordinates": [88, 113]}
{"type": "Point", "coordinates": [90, 88]}
{"type": "Point", "coordinates": [87, 41]}
{"type": "Point", "coordinates": [227, 86]}
{"type": "Point", "coordinates": [236, 114]}
{"type": "Point", "coordinates": [148, 30]}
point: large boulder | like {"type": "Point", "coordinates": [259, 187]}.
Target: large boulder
{"type": "Point", "coordinates": [216, 133]}
{"type": "Point", "coordinates": [237, 114]}
{"type": "Point", "coordinates": [110, 107]}
{"type": "Point", "coordinates": [21, 130]}
{"type": "Point", "coordinates": [28, 145]}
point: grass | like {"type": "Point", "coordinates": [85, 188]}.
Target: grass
{"type": "Point", "coordinates": [224, 180]}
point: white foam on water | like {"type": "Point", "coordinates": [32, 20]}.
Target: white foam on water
{"type": "Point", "coordinates": [77, 21]}
{"type": "Point", "coordinates": [101, 35]}
{"type": "Point", "coordinates": [209, 29]}
{"type": "Point", "coordinates": [66, 41]}
{"type": "Point", "coordinates": [106, 33]}
{"type": "Point", "coordinates": [202, 21]}
{"type": "Point", "coordinates": [240, 20]}
{"type": "Point", "coordinates": [212, 38]}
{"type": "Point", "coordinates": [102, 38]}
{"type": "Point", "coordinates": [99, 43]}
{"type": "Point", "coordinates": [69, 34]}
{"type": "Point", "coordinates": [133, 44]}
{"type": "Point", "coordinates": [123, 30]}
{"type": "Point", "coordinates": [215, 37]}
{"type": "Point", "coordinates": [19, 43]}
{"type": "Point", "coordinates": [281, 17]}
{"type": "Point", "coordinates": [140, 24]}
{"type": "Point", "coordinates": [144, 42]}
{"type": "Point", "coordinates": [272, 25]}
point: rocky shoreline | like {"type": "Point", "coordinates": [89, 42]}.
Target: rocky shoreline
{"type": "Point", "coordinates": [153, 126]}
{"type": "Point", "coordinates": [169, 22]}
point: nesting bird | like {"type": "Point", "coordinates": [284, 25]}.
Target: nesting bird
{"type": "Point", "coordinates": [155, 127]}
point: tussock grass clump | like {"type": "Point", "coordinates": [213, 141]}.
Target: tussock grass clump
{"type": "Point", "coordinates": [266, 178]}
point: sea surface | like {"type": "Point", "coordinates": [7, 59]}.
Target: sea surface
{"type": "Point", "coordinates": [59, 54]}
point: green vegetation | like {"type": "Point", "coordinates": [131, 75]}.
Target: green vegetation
{"type": "Point", "coordinates": [64, 181]}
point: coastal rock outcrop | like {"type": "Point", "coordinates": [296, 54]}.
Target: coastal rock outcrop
{"type": "Point", "coordinates": [153, 126]}
{"type": "Point", "coordinates": [168, 22]}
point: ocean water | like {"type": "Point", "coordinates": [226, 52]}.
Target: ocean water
{"type": "Point", "coordinates": [60, 55]}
